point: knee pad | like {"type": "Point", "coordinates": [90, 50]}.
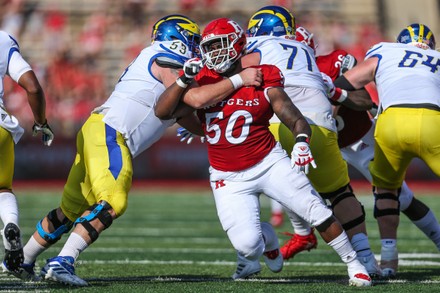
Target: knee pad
{"type": "Point", "coordinates": [60, 227]}
{"type": "Point", "coordinates": [98, 211]}
{"type": "Point", "coordinates": [406, 197]}
{"type": "Point", "coordinates": [385, 212]}
{"type": "Point", "coordinates": [354, 222]}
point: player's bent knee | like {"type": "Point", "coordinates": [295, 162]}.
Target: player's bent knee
{"type": "Point", "coordinates": [99, 211]}
{"type": "Point", "coordinates": [389, 211]}
{"type": "Point", "coordinates": [248, 243]}
{"type": "Point", "coordinates": [61, 227]}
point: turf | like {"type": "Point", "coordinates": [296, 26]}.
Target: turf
{"type": "Point", "coordinates": [172, 241]}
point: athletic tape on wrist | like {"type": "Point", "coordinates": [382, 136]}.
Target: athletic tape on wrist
{"type": "Point", "coordinates": [237, 81]}
{"type": "Point", "coordinates": [181, 83]}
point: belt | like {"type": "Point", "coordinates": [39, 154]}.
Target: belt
{"type": "Point", "coordinates": [418, 106]}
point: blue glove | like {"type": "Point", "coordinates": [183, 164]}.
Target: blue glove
{"type": "Point", "coordinates": [184, 135]}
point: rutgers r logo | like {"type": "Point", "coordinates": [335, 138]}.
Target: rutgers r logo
{"type": "Point", "coordinates": [219, 183]}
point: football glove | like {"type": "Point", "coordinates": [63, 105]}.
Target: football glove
{"type": "Point", "coordinates": [47, 133]}
{"type": "Point", "coordinates": [190, 69]}
{"type": "Point", "coordinates": [185, 134]}
{"type": "Point", "coordinates": [336, 95]}
{"type": "Point", "coordinates": [347, 63]}
{"type": "Point", "coordinates": [301, 156]}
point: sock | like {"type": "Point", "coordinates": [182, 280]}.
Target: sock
{"type": "Point", "coordinates": [74, 245]}
{"type": "Point", "coordinates": [8, 212]}
{"type": "Point", "coordinates": [8, 208]}
{"type": "Point", "coordinates": [361, 245]}
{"type": "Point", "coordinates": [389, 243]}
{"type": "Point", "coordinates": [32, 250]}
{"type": "Point", "coordinates": [430, 226]}
{"type": "Point", "coordinates": [343, 248]}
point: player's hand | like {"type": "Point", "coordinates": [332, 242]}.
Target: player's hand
{"type": "Point", "coordinates": [336, 95]}
{"type": "Point", "coordinates": [185, 134]}
{"type": "Point", "coordinates": [251, 76]}
{"type": "Point", "coordinates": [192, 67]}
{"type": "Point", "coordinates": [301, 157]}
{"type": "Point", "coordinates": [347, 63]}
{"type": "Point", "coordinates": [47, 133]}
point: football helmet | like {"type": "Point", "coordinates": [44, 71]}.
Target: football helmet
{"type": "Point", "coordinates": [417, 34]}
{"type": "Point", "coordinates": [304, 36]}
{"type": "Point", "coordinates": [271, 20]}
{"type": "Point", "coordinates": [223, 42]}
{"type": "Point", "coordinates": [177, 27]}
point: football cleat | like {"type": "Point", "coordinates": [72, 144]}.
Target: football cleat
{"type": "Point", "coordinates": [389, 262]}
{"type": "Point", "coordinates": [298, 243]}
{"type": "Point", "coordinates": [272, 256]}
{"type": "Point", "coordinates": [246, 268]}
{"type": "Point", "coordinates": [60, 269]}
{"type": "Point", "coordinates": [277, 219]}
{"type": "Point", "coordinates": [358, 275]}
{"type": "Point", "coordinates": [25, 272]}
{"type": "Point", "coordinates": [14, 256]}
{"type": "Point", "coordinates": [373, 268]}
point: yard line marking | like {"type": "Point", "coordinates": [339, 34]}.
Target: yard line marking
{"type": "Point", "coordinates": [232, 263]}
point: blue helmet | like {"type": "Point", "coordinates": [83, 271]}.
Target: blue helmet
{"type": "Point", "coordinates": [417, 34]}
{"type": "Point", "coordinates": [271, 20]}
{"type": "Point", "coordinates": [177, 27]}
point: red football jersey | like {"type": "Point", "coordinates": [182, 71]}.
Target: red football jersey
{"type": "Point", "coordinates": [237, 128]}
{"type": "Point", "coordinates": [352, 124]}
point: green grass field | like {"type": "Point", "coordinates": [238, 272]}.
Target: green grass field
{"type": "Point", "coordinates": [171, 241]}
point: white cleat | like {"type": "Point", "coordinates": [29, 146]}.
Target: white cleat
{"type": "Point", "coordinates": [246, 268]}
{"type": "Point", "coordinates": [272, 255]}
{"type": "Point", "coordinates": [60, 269]}
{"type": "Point", "coordinates": [373, 268]}
{"type": "Point", "coordinates": [358, 275]}
{"type": "Point", "coordinates": [389, 261]}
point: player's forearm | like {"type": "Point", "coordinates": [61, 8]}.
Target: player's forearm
{"type": "Point", "coordinates": [359, 100]}
{"type": "Point", "coordinates": [210, 94]}
{"type": "Point", "coordinates": [167, 104]}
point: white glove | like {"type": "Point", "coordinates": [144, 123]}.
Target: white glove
{"type": "Point", "coordinates": [47, 133]}
{"type": "Point", "coordinates": [301, 156]}
{"type": "Point", "coordinates": [192, 67]}
{"type": "Point", "coordinates": [185, 134]}
{"type": "Point", "coordinates": [347, 63]}
{"type": "Point", "coordinates": [335, 94]}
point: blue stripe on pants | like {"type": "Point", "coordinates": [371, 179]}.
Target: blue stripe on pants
{"type": "Point", "coordinates": [114, 151]}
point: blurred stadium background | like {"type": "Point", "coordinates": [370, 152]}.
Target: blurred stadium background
{"type": "Point", "coordinates": [78, 49]}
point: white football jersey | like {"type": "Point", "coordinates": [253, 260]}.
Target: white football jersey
{"type": "Point", "coordinates": [297, 63]}
{"type": "Point", "coordinates": [12, 64]}
{"type": "Point", "coordinates": [130, 108]}
{"type": "Point", "coordinates": [406, 74]}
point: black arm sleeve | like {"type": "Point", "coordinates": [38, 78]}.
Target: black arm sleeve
{"type": "Point", "coordinates": [343, 83]}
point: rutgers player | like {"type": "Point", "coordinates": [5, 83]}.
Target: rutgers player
{"type": "Point", "coordinates": [245, 158]}
{"type": "Point", "coordinates": [356, 140]}
{"type": "Point", "coordinates": [272, 29]}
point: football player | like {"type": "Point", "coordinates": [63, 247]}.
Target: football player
{"type": "Point", "coordinates": [99, 181]}
{"type": "Point", "coordinates": [245, 158]}
{"type": "Point", "coordinates": [407, 81]}
{"type": "Point", "coordinates": [272, 41]}
{"type": "Point", "coordinates": [12, 64]}
{"type": "Point", "coordinates": [356, 140]}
